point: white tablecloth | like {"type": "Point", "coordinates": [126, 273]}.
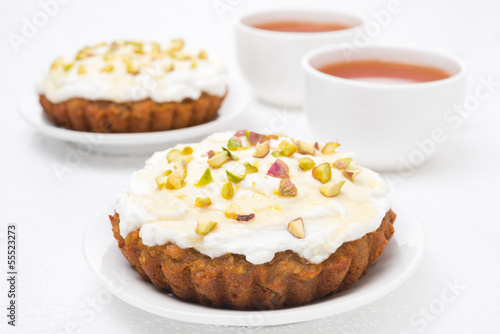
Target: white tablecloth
{"type": "Point", "coordinates": [455, 195]}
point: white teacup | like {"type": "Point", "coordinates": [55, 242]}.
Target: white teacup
{"type": "Point", "coordinates": [384, 123]}
{"type": "Point", "coordinates": [270, 60]}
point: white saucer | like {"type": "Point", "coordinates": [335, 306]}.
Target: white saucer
{"type": "Point", "coordinates": [399, 261]}
{"type": "Point", "coordinates": [234, 104]}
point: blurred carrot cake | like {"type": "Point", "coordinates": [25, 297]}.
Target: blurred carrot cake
{"type": "Point", "coordinates": [132, 86]}
{"type": "Point", "coordinates": [248, 221]}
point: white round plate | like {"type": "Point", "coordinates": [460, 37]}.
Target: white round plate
{"type": "Point", "coordinates": [236, 101]}
{"type": "Point", "coordinates": [399, 261]}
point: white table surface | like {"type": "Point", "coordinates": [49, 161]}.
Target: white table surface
{"type": "Point", "coordinates": [455, 195]}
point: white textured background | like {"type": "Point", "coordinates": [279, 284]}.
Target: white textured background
{"type": "Point", "coordinates": [455, 195]}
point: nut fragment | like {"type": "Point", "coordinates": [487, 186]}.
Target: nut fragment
{"type": "Point", "coordinates": [233, 211]}
{"type": "Point", "coordinates": [81, 69]}
{"type": "Point", "coordinates": [240, 133]}
{"type": "Point", "coordinates": [245, 218]}
{"type": "Point", "coordinates": [205, 179]}
{"type": "Point", "coordinates": [161, 180]}
{"type": "Point", "coordinates": [296, 228]}
{"type": "Point", "coordinates": [230, 154]}
{"type": "Point", "coordinates": [202, 54]}
{"type": "Point", "coordinates": [205, 227]}
{"type": "Point", "coordinates": [288, 149]}
{"type": "Point", "coordinates": [249, 168]}
{"type": "Point", "coordinates": [227, 190]}
{"type": "Point", "coordinates": [187, 150]}
{"type": "Point", "coordinates": [306, 163]}
{"type": "Point", "coordinates": [202, 202]}
{"type": "Point", "coordinates": [210, 154]}
{"type": "Point", "coordinates": [331, 189]}
{"type": "Point", "coordinates": [234, 144]}
{"type": "Point", "coordinates": [255, 138]}
{"type": "Point", "coordinates": [173, 155]}
{"type": "Point", "coordinates": [323, 172]}
{"type": "Point", "coordinates": [287, 188]}
{"type": "Point", "coordinates": [277, 154]}
{"type": "Point", "coordinates": [330, 148]}
{"type": "Point", "coordinates": [108, 68]}
{"type": "Point", "coordinates": [350, 174]}
{"type": "Point", "coordinates": [342, 163]}
{"type": "Point", "coordinates": [234, 177]}
{"type": "Point", "coordinates": [176, 179]}
{"type": "Point", "coordinates": [279, 169]}
{"type": "Point", "coordinates": [218, 160]}
{"type": "Point", "coordinates": [305, 148]}
{"type": "Point", "coordinates": [261, 150]}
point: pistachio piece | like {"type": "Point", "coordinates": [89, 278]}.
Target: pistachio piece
{"type": "Point", "coordinates": [193, 64]}
{"type": "Point", "coordinates": [342, 163]}
{"type": "Point", "coordinates": [173, 155]}
{"type": "Point", "coordinates": [234, 177]}
{"type": "Point", "coordinates": [316, 145]}
{"type": "Point", "coordinates": [227, 190]}
{"type": "Point", "coordinates": [177, 44]}
{"type": "Point", "coordinates": [305, 148]}
{"type": "Point", "coordinates": [350, 174]}
{"type": "Point", "coordinates": [81, 69]}
{"type": "Point", "coordinates": [273, 136]}
{"type": "Point", "coordinates": [240, 133]}
{"type": "Point", "coordinates": [323, 172]}
{"type": "Point", "coordinates": [187, 150]}
{"type": "Point", "coordinates": [202, 202]}
{"type": "Point", "coordinates": [255, 138]}
{"type": "Point", "coordinates": [277, 154]}
{"type": "Point", "coordinates": [233, 211]}
{"type": "Point", "coordinates": [161, 180]}
{"type": "Point", "coordinates": [306, 163]}
{"type": "Point", "coordinates": [234, 144]}
{"type": "Point", "coordinates": [176, 179]}
{"type": "Point", "coordinates": [288, 149]}
{"type": "Point", "coordinates": [131, 69]}
{"type": "Point", "coordinates": [205, 228]}
{"type": "Point", "coordinates": [261, 150]}
{"type": "Point", "coordinates": [230, 154]}
{"type": "Point", "coordinates": [330, 148]}
{"type": "Point", "coordinates": [218, 160]}
{"type": "Point", "coordinates": [169, 68]}
{"type": "Point", "coordinates": [249, 168]}
{"type": "Point", "coordinates": [296, 228]}
{"type": "Point", "coordinates": [108, 68]}
{"type": "Point", "coordinates": [245, 218]}
{"type": "Point", "coordinates": [67, 67]}
{"type": "Point", "coordinates": [59, 62]}
{"type": "Point", "coordinates": [210, 154]}
{"type": "Point", "coordinates": [331, 189]}
{"type": "Point", "coordinates": [279, 169]}
{"type": "Point", "coordinates": [202, 54]}
{"type": "Point", "coordinates": [287, 188]}
{"type": "Point", "coordinates": [205, 179]}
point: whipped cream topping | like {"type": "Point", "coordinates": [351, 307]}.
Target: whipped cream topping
{"type": "Point", "coordinates": [170, 215]}
{"type": "Point", "coordinates": [133, 71]}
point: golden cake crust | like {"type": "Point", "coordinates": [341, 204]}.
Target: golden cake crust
{"type": "Point", "coordinates": [129, 117]}
{"type": "Point", "coordinates": [230, 281]}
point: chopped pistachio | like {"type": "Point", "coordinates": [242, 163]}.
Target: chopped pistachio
{"type": "Point", "coordinates": [245, 218]}
{"type": "Point", "coordinates": [205, 179]}
{"type": "Point", "coordinates": [176, 179]}
{"type": "Point", "coordinates": [193, 64]}
{"type": "Point", "coordinates": [169, 68]}
{"type": "Point", "coordinates": [342, 163]}
{"type": "Point", "coordinates": [202, 55]}
{"type": "Point", "coordinates": [273, 136]}
{"type": "Point", "coordinates": [240, 133]}
{"type": "Point", "coordinates": [296, 228]}
{"type": "Point", "coordinates": [67, 67]}
{"type": "Point", "coordinates": [287, 188]}
{"type": "Point", "coordinates": [81, 69]}
{"type": "Point", "coordinates": [255, 138]}
{"type": "Point", "coordinates": [350, 174]}
{"type": "Point", "coordinates": [331, 189]}
{"type": "Point", "coordinates": [173, 155]}
{"type": "Point", "coordinates": [202, 202]}
{"type": "Point", "coordinates": [161, 180]}
{"type": "Point", "coordinates": [306, 163]}
{"type": "Point", "coordinates": [330, 148]}
{"type": "Point", "coordinates": [234, 144]}
{"type": "Point", "coordinates": [233, 211]}
{"type": "Point", "coordinates": [218, 160]}
{"type": "Point", "coordinates": [288, 149]}
{"type": "Point", "coordinates": [261, 150]}
{"type": "Point", "coordinates": [177, 44]}
{"type": "Point", "coordinates": [249, 168]}
{"type": "Point", "coordinates": [187, 150]}
{"type": "Point", "coordinates": [131, 69]}
{"type": "Point", "coordinates": [316, 145]}
{"type": "Point", "coordinates": [57, 63]}
{"type": "Point", "coordinates": [277, 154]}
{"type": "Point", "coordinates": [234, 177]}
{"type": "Point", "coordinates": [230, 154]}
{"type": "Point", "coordinates": [279, 169]}
{"type": "Point", "coordinates": [227, 190]}
{"type": "Point", "coordinates": [305, 148]}
{"type": "Point", "coordinates": [210, 154]}
{"type": "Point", "coordinates": [108, 68]}
{"type": "Point", "coordinates": [323, 172]}
{"type": "Point", "coordinates": [205, 228]}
